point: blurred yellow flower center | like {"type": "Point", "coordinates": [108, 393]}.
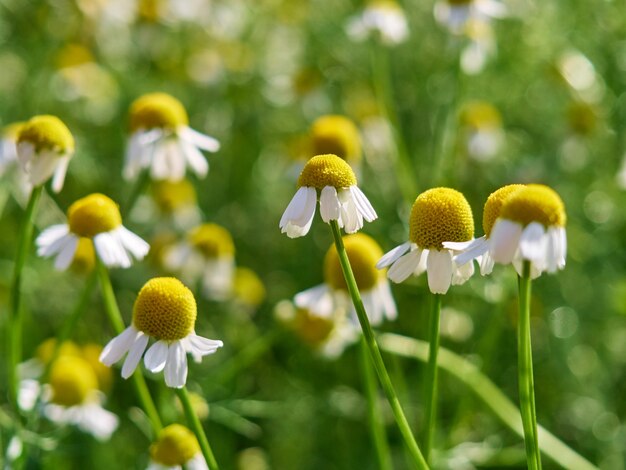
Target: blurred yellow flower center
{"type": "Point", "coordinates": [104, 374]}
{"type": "Point", "coordinates": [480, 115]}
{"type": "Point", "coordinates": [176, 445]}
{"type": "Point", "coordinates": [494, 203]}
{"type": "Point", "coordinates": [249, 289]}
{"type": "Point", "coordinates": [171, 195]}
{"type": "Point", "coordinates": [535, 203]}
{"type": "Point", "coordinates": [157, 110]}
{"type": "Point", "coordinates": [165, 309]}
{"type": "Point", "coordinates": [71, 380]}
{"type": "Point", "coordinates": [312, 329]}
{"type": "Point", "coordinates": [47, 133]}
{"type": "Point", "coordinates": [11, 131]}
{"type": "Point", "coordinates": [212, 240]}
{"type": "Point", "coordinates": [84, 257]}
{"type": "Point", "coordinates": [46, 349]}
{"type": "Point", "coordinates": [363, 253]}
{"type": "Point", "coordinates": [73, 55]}
{"type": "Point", "coordinates": [92, 215]}
{"type": "Point", "coordinates": [327, 170]}
{"type": "Point", "coordinates": [336, 135]}
{"type": "Point", "coordinates": [440, 215]}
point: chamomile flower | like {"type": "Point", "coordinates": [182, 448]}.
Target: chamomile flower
{"type": "Point", "coordinates": [8, 146]}
{"type": "Point", "coordinates": [531, 227]}
{"type": "Point", "coordinates": [383, 18]}
{"type": "Point", "coordinates": [339, 196]}
{"type": "Point", "coordinates": [337, 135]}
{"type": "Point", "coordinates": [162, 140]}
{"type": "Point", "coordinates": [176, 447]}
{"type": "Point", "coordinates": [44, 148]}
{"type": "Point", "coordinates": [481, 124]}
{"type": "Point", "coordinates": [207, 253]}
{"type": "Point", "coordinates": [455, 14]}
{"type": "Point", "coordinates": [164, 310]}
{"type": "Point", "coordinates": [479, 248]}
{"type": "Point", "coordinates": [325, 299]}
{"type": "Point", "coordinates": [438, 215]}
{"type": "Point", "coordinates": [97, 218]}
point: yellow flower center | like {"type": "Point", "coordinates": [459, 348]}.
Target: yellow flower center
{"type": "Point", "coordinates": [73, 55]}
{"type": "Point", "coordinates": [92, 215]}
{"type": "Point", "coordinates": [363, 253]}
{"type": "Point", "coordinates": [494, 203]}
{"type": "Point", "coordinates": [176, 445]}
{"type": "Point", "coordinates": [249, 289]}
{"type": "Point", "coordinates": [480, 115]}
{"type": "Point", "coordinates": [312, 329]}
{"type": "Point", "coordinates": [84, 258]}
{"type": "Point", "coordinates": [11, 131]}
{"type": "Point", "coordinates": [336, 135]}
{"type": "Point", "coordinates": [535, 203]}
{"type": "Point", "coordinates": [440, 215]}
{"type": "Point", "coordinates": [327, 170]}
{"type": "Point", "coordinates": [46, 349]}
{"type": "Point", "coordinates": [157, 110]}
{"type": "Point", "coordinates": [171, 195]}
{"type": "Point", "coordinates": [212, 240]}
{"type": "Point", "coordinates": [71, 380]}
{"type": "Point", "coordinates": [47, 133]}
{"type": "Point", "coordinates": [165, 309]}
{"type": "Point", "coordinates": [104, 374]}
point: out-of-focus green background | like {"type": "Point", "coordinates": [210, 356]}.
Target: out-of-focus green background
{"type": "Point", "coordinates": [255, 74]}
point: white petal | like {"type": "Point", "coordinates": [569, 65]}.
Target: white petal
{"type": "Point", "coordinates": [203, 346]}
{"type": "Point", "coordinates": [176, 366]}
{"type": "Point", "coordinates": [160, 165]}
{"type": "Point", "coordinates": [54, 246]}
{"type": "Point", "coordinates": [473, 250]}
{"type": "Point", "coordinates": [132, 159]}
{"type": "Point", "coordinates": [25, 154]}
{"type": "Point", "coordinates": [203, 141]}
{"type": "Point", "coordinates": [486, 264]}
{"type": "Point", "coordinates": [405, 266]}
{"type": "Point", "coordinates": [460, 274]}
{"type": "Point", "coordinates": [363, 204]}
{"type": "Point", "coordinates": [51, 234]}
{"type": "Point", "coordinates": [42, 166]}
{"type": "Point", "coordinates": [316, 299]}
{"type": "Point", "coordinates": [298, 216]}
{"type": "Point", "coordinates": [439, 271]}
{"type": "Point", "coordinates": [134, 355]}
{"type": "Point", "coordinates": [137, 246]}
{"type": "Point", "coordinates": [329, 204]}
{"type": "Point", "coordinates": [195, 159]}
{"type": "Point", "coordinates": [97, 421]}
{"type": "Point", "coordinates": [110, 250]}
{"type": "Point", "coordinates": [156, 356]}
{"type": "Point", "coordinates": [197, 463]}
{"type": "Point", "coordinates": [504, 240]}
{"type": "Point", "coordinates": [386, 297]}
{"type": "Point", "coordinates": [66, 255]}
{"type": "Point", "coordinates": [118, 346]}
{"type": "Point", "coordinates": [59, 173]}
{"type": "Point", "coordinates": [533, 243]}
{"type": "Point", "coordinates": [391, 256]}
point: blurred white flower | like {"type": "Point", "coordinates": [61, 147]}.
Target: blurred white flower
{"type": "Point", "coordinates": [383, 18]}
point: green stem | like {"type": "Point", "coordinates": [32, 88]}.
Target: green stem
{"type": "Point", "coordinates": [377, 428]}
{"type": "Point", "coordinates": [370, 341]}
{"type": "Point", "coordinates": [431, 375]}
{"type": "Point", "coordinates": [196, 426]}
{"type": "Point", "coordinates": [115, 318]}
{"type": "Point", "coordinates": [14, 321]}
{"type": "Point", "coordinates": [525, 372]}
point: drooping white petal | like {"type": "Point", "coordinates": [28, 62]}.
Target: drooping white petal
{"type": "Point", "coordinates": [51, 245]}
{"type": "Point", "coordinates": [439, 271]}
{"type": "Point", "coordinates": [533, 243]}
{"type": "Point", "coordinates": [460, 274]}
{"type": "Point", "coordinates": [197, 463]}
{"type": "Point", "coordinates": [66, 253]}
{"type": "Point", "coordinates": [97, 421]}
{"type": "Point", "coordinates": [504, 240]}
{"type": "Point", "coordinates": [297, 218]}
{"type": "Point", "coordinates": [134, 355]}
{"type": "Point", "coordinates": [473, 249]}
{"type": "Point", "coordinates": [205, 142]}
{"type": "Point", "coordinates": [118, 346]}
{"type": "Point", "coordinates": [329, 204]}
{"type": "Point", "coordinates": [42, 166]}
{"type": "Point", "coordinates": [25, 154]}
{"type": "Point", "coordinates": [317, 300]}
{"type": "Point", "coordinates": [351, 218]}
{"type": "Point", "coordinates": [132, 158]}
{"type": "Point", "coordinates": [203, 346]}
{"type": "Point", "coordinates": [136, 245]}
{"type": "Point", "coordinates": [486, 264]}
{"type": "Point", "coordinates": [59, 173]}
{"type": "Point", "coordinates": [195, 159]}
{"type": "Point", "coordinates": [110, 250]}
{"type": "Point", "coordinates": [156, 356]}
{"type": "Point", "coordinates": [404, 266]}
{"type": "Point", "coordinates": [391, 256]}
{"type": "Point", "coordinates": [176, 366]}
{"type": "Point", "coordinates": [50, 235]}
{"type": "Point", "coordinates": [363, 204]}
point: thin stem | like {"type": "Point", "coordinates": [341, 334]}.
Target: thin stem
{"type": "Point", "coordinates": [14, 321]}
{"type": "Point", "coordinates": [115, 318]}
{"type": "Point", "coordinates": [370, 341]}
{"type": "Point", "coordinates": [197, 428]}
{"type": "Point", "coordinates": [377, 428]}
{"type": "Point", "coordinates": [431, 375]}
{"type": "Point", "coordinates": [525, 372]}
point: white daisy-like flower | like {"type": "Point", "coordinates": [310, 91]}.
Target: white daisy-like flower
{"type": "Point", "coordinates": [455, 14]}
{"type": "Point", "coordinates": [208, 253]}
{"type": "Point", "coordinates": [44, 148]}
{"type": "Point", "coordinates": [438, 215]}
{"type": "Point", "coordinates": [340, 198]}
{"type": "Point", "coordinates": [479, 248]}
{"type": "Point", "coordinates": [324, 300]}
{"type": "Point", "coordinates": [481, 125]}
{"type": "Point", "coordinates": [176, 202]}
{"type": "Point", "coordinates": [162, 140]}
{"type": "Point", "coordinates": [98, 218]}
{"type": "Point", "coordinates": [480, 48]}
{"type": "Point", "coordinates": [384, 18]}
{"type": "Point", "coordinates": [176, 447]}
{"type": "Point", "coordinates": [164, 310]}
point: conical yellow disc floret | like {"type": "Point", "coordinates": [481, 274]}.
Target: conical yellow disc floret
{"type": "Point", "coordinates": [333, 134]}
{"type": "Point", "coordinates": [480, 115]}
{"type": "Point", "coordinates": [171, 195]}
{"type": "Point", "coordinates": [363, 253]}
{"type": "Point", "coordinates": [84, 257]}
{"type": "Point", "coordinates": [535, 203]}
{"type": "Point", "coordinates": [212, 240]}
{"type": "Point", "coordinates": [494, 203]}
{"type": "Point", "coordinates": [92, 215]}
{"type": "Point", "coordinates": [47, 133]}
{"type": "Point", "coordinates": [71, 380]}
{"type": "Point", "coordinates": [175, 446]}
{"type": "Point", "coordinates": [45, 350]}
{"type": "Point", "coordinates": [327, 170]}
{"type": "Point", "coordinates": [157, 110]}
{"type": "Point", "coordinates": [312, 329]}
{"type": "Point", "coordinates": [11, 131]}
{"type": "Point", "coordinates": [165, 309]}
{"type": "Point", "coordinates": [440, 215]}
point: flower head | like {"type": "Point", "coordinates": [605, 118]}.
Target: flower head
{"type": "Point", "coordinates": [165, 310]}
{"type": "Point", "coordinates": [44, 148]}
{"type": "Point", "coordinates": [438, 216]}
{"type": "Point", "coordinates": [383, 18]}
{"type": "Point", "coordinates": [481, 124]}
{"type": "Point", "coordinates": [340, 198]}
{"type": "Point", "coordinates": [175, 447]}
{"type": "Point", "coordinates": [162, 140]}
{"type": "Point", "coordinates": [97, 218]}
{"type": "Point", "coordinates": [334, 134]}
{"type": "Point", "coordinates": [456, 14]}
{"type": "Point", "coordinates": [71, 380]}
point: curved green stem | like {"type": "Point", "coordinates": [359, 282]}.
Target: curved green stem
{"type": "Point", "coordinates": [370, 341]}
{"type": "Point", "coordinates": [115, 318]}
{"type": "Point", "coordinates": [525, 372]}
{"type": "Point", "coordinates": [14, 321]}
{"type": "Point", "coordinates": [197, 428]}
{"type": "Point", "coordinates": [431, 375]}
{"type": "Point", "coordinates": [377, 428]}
